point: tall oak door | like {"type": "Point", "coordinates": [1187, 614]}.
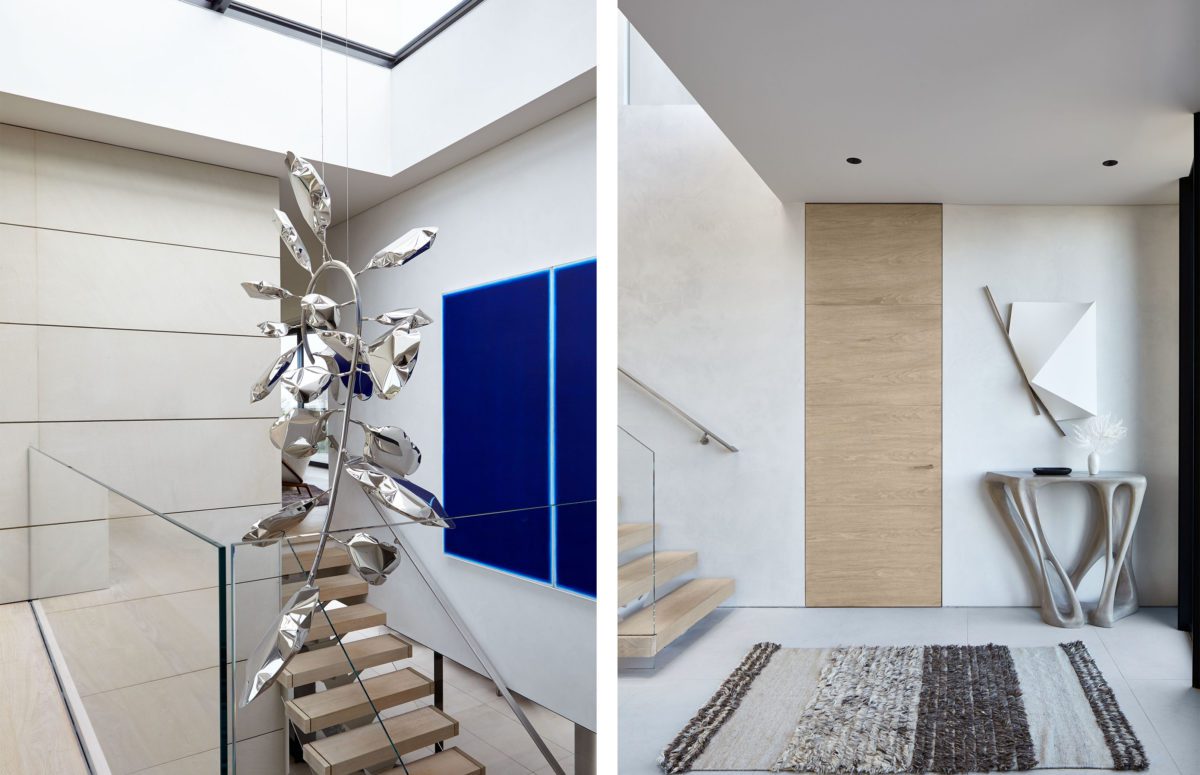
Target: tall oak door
{"type": "Point", "coordinates": [873, 384]}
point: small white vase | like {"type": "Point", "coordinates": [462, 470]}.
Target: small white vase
{"type": "Point", "coordinates": [1094, 463]}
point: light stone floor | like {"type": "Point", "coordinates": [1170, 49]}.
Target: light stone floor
{"type": "Point", "coordinates": [1144, 658]}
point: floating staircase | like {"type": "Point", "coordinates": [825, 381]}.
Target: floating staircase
{"type": "Point", "coordinates": [650, 629]}
{"type": "Point", "coordinates": [333, 714]}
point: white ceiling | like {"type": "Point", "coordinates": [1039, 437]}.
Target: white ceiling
{"type": "Point", "coordinates": [957, 101]}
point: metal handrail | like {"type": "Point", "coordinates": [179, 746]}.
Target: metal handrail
{"type": "Point", "coordinates": [708, 434]}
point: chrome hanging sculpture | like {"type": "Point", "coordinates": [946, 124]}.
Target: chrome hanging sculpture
{"type": "Point", "coordinates": [378, 368]}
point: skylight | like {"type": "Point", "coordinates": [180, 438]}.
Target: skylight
{"type": "Point", "coordinates": [381, 31]}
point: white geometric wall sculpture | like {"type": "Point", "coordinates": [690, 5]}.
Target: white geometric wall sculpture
{"type": "Point", "coordinates": [1055, 343]}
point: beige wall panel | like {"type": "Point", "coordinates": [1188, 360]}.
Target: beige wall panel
{"type": "Point", "coordinates": [174, 465]}
{"type": "Point", "coordinates": [14, 564]}
{"type": "Point", "coordinates": [876, 354]}
{"type": "Point", "coordinates": [19, 373]}
{"type": "Point", "coordinates": [874, 455]}
{"type": "Point", "coordinates": [85, 280]}
{"type": "Point", "coordinates": [64, 559]}
{"type": "Point", "coordinates": [873, 556]}
{"type": "Point", "coordinates": [149, 375]}
{"type": "Point", "coordinates": [15, 440]}
{"type": "Point", "coordinates": [105, 189]}
{"type": "Point", "coordinates": [873, 254]}
{"type": "Point", "coordinates": [17, 174]}
{"type": "Point", "coordinates": [18, 273]}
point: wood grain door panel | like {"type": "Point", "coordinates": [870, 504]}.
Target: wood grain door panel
{"type": "Point", "coordinates": [874, 455]}
{"type": "Point", "coordinates": [872, 355]}
{"type": "Point", "coordinates": [873, 556]}
{"type": "Point", "coordinates": [873, 392]}
{"type": "Point", "coordinates": [873, 254]}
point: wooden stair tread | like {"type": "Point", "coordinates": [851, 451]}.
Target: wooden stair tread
{"type": "Point", "coordinates": [346, 619]}
{"type": "Point", "coordinates": [320, 664]}
{"type": "Point", "coordinates": [452, 761]}
{"type": "Point", "coordinates": [638, 577]}
{"type": "Point", "coordinates": [370, 746]}
{"type": "Point", "coordinates": [631, 535]}
{"type": "Point", "coordinates": [653, 628]}
{"type": "Point", "coordinates": [332, 587]}
{"type": "Point", "coordinates": [350, 702]}
{"type": "Point", "coordinates": [298, 557]}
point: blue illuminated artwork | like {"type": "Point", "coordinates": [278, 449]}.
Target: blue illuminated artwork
{"type": "Point", "coordinates": [519, 387]}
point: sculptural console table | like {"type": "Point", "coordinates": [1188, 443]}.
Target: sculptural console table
{"type": "Point", "coordinates": [1015, 495]}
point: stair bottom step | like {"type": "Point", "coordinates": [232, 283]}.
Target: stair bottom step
{"type": "Point", "coordinates": [652, 629]}
{"type": "Point", "coordinates": [451, 761]}
{"type": "Point", "coordinates": [370, 746]}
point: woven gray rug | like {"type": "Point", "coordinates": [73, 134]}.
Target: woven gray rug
{"type": "Point", "coordinates": [909, 709]}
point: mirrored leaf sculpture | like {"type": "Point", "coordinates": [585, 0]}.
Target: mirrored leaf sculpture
{"type": "Point", "coordinates": [299, 431]}
{"type": "Point", "coordinates": [371, 558]}
{"type": "Point", "coordinates": [311, 194]}
{"type": "Point", "coordinates": [265, 290]}
{"type": "Point", "coordinates": [391, 359]}
{"type": "Point", "coordinates": [390, 447]}
{"type": "Point", "coordinates": [320, 311]}
{"type": "Point", "coordinates": [404, 319]}
{"type": "Point", "coordinates": [268, 530]}
{"type": "Point", "coordinates": [308, 382]}
{"type": "Point", "coordinates": [281, 642]}
{"type": "Point", "coordinates": [266, 383]}
{"type": "Point", "coordinates": [412, 244]}
{"type": "Point", "coordinates": [274, 328]}
{"type": "Point", "coordinates": [335, 357]}
{"type": "Point", "coordinates": [291, 240]}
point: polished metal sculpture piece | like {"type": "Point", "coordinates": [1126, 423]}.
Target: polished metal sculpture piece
{"type": "Point", "coordinates": [268, 530]}
{"type": "Point", "coordinates": [391, 359]}
{"type": "Point", "coordinates": [307, 383]}
{"type": "Point", "coordinates": [266, 383]}
{"type": "Point", "coordinates": [319, 311]}
{"type": "Point", "coordinates": [383, 367]}
{"type": "Point", "coordinates": [404, 319]}
{"type": "Point", "coordinates": [282, 642]}
{"type": "Point", "coordinates": [390, 447]}
{"type": "Point", "coordinates": [299, 431]}
{"type": "Point", "coordinates": [266, 290]}
{"type": "Point", "coordinates": [291, 240]}
{"type": "Point", "coordinates": [392, 493]}
{"type": "Point", "coordinates": [311, 194]}
{"type": "Point", "coordinates": [274, 328]}
{"type": "Point", "coordinates": [371, 558]}
{"type": "Point", "coordinates": [412, 244]}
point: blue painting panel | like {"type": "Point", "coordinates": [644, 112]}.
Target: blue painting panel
{"type": "Point", "coordinates": [496, 399]}
{"type": "Point", "coordinates": [575, 425]}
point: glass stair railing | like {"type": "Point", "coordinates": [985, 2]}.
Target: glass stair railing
{"type": "Point", "coordinates": [160, 612]}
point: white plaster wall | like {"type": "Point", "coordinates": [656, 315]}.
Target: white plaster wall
{"type": "Point", "coordinates": [712, 316]}
{"type": "Point", "coordinates": [1126, 260]}
{"type": "Point", "coordinates": [525, 205]}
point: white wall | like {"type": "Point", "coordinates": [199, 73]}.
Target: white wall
{"type": "Point", "coordinates": [712, 316]}
{"type": "Point", "coordinates": [525, 205]}
{"type": "Point", "coordinates": [1126, 260]}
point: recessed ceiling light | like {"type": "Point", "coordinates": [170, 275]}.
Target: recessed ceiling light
{"type": "Point", "coordinates": [856, 160]}
{"type": "Point", "coordinates": [1109, 163]}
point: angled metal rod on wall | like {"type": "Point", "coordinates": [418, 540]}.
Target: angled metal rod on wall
{"type": "Point", "coordinates": [1039, 407]}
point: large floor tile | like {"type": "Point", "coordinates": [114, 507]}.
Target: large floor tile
{"type": "Point", "coordinates": [122, 644]}
{"type": "Point", "coordinates": [1173, 707]}
{"type": "Point", "coordinates": [1147, 645]}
